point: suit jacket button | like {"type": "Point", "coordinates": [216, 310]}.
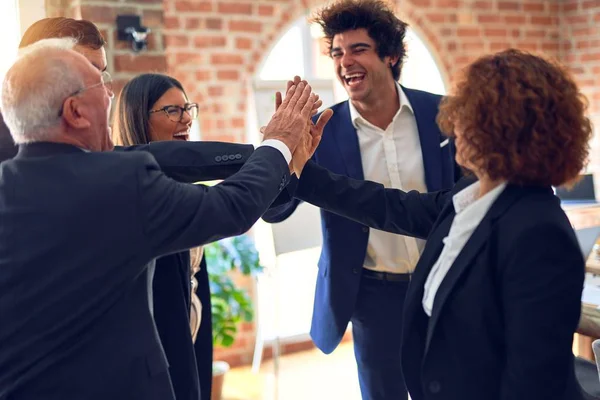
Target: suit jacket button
{"type": "Point", "coordinates": [224, 157]}
{"type": "Point", "coordinates": [434, 387]}
{"type": "Point", "coordinates": [218, 158]}
{"type": "Point", "coordinates": [365, 229]}
{"type": "Point", "coordinates": [238, 156]}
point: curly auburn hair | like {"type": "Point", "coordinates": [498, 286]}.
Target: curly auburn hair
{"type": "Point", "coordinates": [386, 30]}
{"type": "Point", "coordinates": [523, 119]}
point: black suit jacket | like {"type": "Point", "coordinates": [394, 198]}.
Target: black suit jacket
{"type": "Point", "coordinates": [503, 318]}
{"type": "Point", "coordinates": [78, 233]}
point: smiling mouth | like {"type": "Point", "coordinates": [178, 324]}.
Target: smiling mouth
{"type": "Point", "coordinates": [182, 136]}
{"type": "Point", "coordinates": [354, 78]}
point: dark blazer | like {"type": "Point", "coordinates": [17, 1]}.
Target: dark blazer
{"type": "Point", "coordinates": [503, 318]}
{"type": "Point", "coordinates": [345, 241]}
{"type": "Point", "coordinates": [75, 308]}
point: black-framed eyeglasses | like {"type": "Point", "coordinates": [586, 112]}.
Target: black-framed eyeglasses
{"type": "Point", "coordinates": [175, 112]}
{"type": "Point", "coordinates": [105, 80]}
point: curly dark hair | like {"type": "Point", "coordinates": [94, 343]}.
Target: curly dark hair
{"type": "Point", "coordinates": [86, 33]}
{"type": "Point", "coordinates": [386, 30]}
{"type": "Point", "coordinates": [523, 119]}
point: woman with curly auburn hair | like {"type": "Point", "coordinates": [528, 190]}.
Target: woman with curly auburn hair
{"type": "Point", "coordinates": [496, 296]}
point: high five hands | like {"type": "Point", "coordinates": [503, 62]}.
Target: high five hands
{"type": "Point", "coordinates": [312, 133]}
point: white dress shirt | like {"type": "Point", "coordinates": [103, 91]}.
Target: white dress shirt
{"type": "Point", "coordinates": [470, 211]}
{"type": "Point", "coordinates": [279, 145]}
{"type": "Point", "coordinates": [393, 158]}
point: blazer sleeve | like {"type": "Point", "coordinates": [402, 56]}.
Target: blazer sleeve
{"type": "Point", "coordinates": [284, 205]}
{"type": "Point", "coordinates": [369, 203]}
{"type": "Point", "coordinates": [541, 296]}
{"type": "Point", "coordinates": [196, 161]}
{"type": "Point", "coordinates": [178, 216]}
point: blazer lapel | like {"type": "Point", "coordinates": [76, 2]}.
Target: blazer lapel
{"type": "Point", "coordinates": [429, 136]}
{"type": "Point", "coordinates": [347, 141]}
{"type": "Point", "coordinates": [465, 258]}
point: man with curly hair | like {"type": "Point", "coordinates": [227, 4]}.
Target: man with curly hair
{"type": "Point", "coordinates": [386, 133]}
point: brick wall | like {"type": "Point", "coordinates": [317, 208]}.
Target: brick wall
{"type": "Point", "coordinates": [214, 48]}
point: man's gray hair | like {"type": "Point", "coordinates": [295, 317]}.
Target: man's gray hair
{"type": "Point", "coordinates": [35, 88]}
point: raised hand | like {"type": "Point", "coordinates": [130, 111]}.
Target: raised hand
{"type": "Point", "coordinates": [296, 81]}
{"type": "Point", "coordinates": [288, 124]}
{"type": "Point", "coordinates": [310, 141]}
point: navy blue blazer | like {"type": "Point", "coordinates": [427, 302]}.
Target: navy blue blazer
{"type": "Point", "coordinates": [345, 241]}
{"type": "Point", "coordinates": [502, 323]}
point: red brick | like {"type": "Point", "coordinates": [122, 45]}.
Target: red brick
{"type": "Point", "coordinates": [508, 5]}
{"type": "Point", "coordinates": [177, 40]}
{"type": "Point", "coordinates": [421, 3]}
{"type": "Point", "coordinates": [451, 46]}
{"type": "Point", "coordinates": [214, 23]}
{"type": "Point", "coordinates": [590, 4]}
{"type": "Point", "coordinates": [203, 75]}
{"type": "Point", "coordinates": [597, 17]}
{"type": "Point", "coordinates": [228, 75]}
{"type": "Point", "coordinates": [204, 41]}
{"type": "Point", "coordinates": [468, 32]}
{"type": "Point", "coordinates": [577, 19]}
{"type": "Point", "coordinates": [550, 46]}
{"type": "Point", "coordinates": [436, 17]}
{"type": "Point", "coordinates": [537, 20]}
{"type": "Point", "coordinates": [582, 44]}
{"type": "Point", "coordinates": [153, 18]}
{"type": "Point", "coordinates": [238, 122]}
{"type": "Point", "coordinates": [590, 57]}
{"type": "Point", "coordinates": [473, 46]}
{"type": "Point", "coordinates": [488, 18]}
{"type": "Point", "coordinates": [100, 14]}
{"type": "Point", "coordinates": [245, 26]}
{"type": "Point", "coordinates": [515, 19]}
{"type": "Point", "coordinates": [194, 6]}
{"type": "Point", "coordinates": [188, 58]}
{"type": "Point", "coordinates": [570, 7]}
{"type": "Point", "coordinates": [216, 91]}
{"type": "Point", "coordinates": [535, 34]}
{"type": "Point", "coordinates": [499, 46]}
{"type": "Point", "coordinates": [495, 32]}
{"type": "Point", "coordinates": [529, 7]}
{"type": "Point", "coordinates": [235, 8]}
{"type": "Point", "coordinates": [172, 23]}
{"type": "Point", "coordinates": [483, 5]}
{"type": "Point", "coordinates": [528, 46]}
{"type": "Point", "coordinates": [448, 4]}
{"type": "Point", "coordinates": [243, 43]}
{"type": "Point", "coordinates": [583, 32]}
{"type": "Point", "coordinates": [139, 63]}
{"type": "Point", "coordinates": [266, 10]}
{"type": "Point", "coordinates": [192, 23]}
{"type": "Point", "coordinates": [226, 59]}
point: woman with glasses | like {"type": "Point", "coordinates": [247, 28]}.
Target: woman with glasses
{"type": "Point", "coordinates": [155, 107]}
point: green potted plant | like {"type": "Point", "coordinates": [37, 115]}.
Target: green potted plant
{"type": "Point", "coordinates": [230, 303]}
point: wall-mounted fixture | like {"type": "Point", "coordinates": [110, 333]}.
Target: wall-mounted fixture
{"type": "Point", "coordinates": [129, 28]}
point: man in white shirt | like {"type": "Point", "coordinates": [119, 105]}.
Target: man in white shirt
{"type": "Point", "coordinates": [388, 134]}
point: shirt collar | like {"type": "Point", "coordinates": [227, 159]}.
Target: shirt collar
{"type": "Point", "coordinates": [355, 116]}
{"type": "Point", "coordinates": [468, 196]}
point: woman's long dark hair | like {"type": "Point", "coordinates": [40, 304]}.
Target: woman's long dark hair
{"type": "Point", "coordinates": [137, 97]}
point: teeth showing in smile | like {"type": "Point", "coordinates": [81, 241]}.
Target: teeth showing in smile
{"type": "Point", "coordinates": [355, 78]}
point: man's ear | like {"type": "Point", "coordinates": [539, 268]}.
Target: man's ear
{"type": "Point", "coordinates": [392, 61]}
{"type": "Point", "coordinates": [73, 114]}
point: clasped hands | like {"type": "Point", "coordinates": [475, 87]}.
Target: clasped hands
{"type": "Point", "coordinates": [292, 122]}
